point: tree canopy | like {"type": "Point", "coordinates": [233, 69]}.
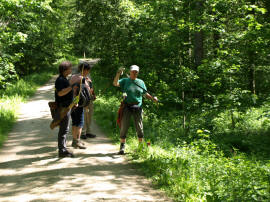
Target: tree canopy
{"type": "Point", "coordinates": [193, 54]}
{"type": "Point", "coordinates": [206, 60]}
{"type": "Point", "coordinates": [33, 35]}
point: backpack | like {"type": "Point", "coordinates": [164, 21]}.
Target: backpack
{"type": "Point", "coordinates": [85, 97]}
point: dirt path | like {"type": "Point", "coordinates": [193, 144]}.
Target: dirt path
{"type": "Point", "coordinates": [31, 171]}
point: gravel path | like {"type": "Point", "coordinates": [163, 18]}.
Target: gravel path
{"type": "Point", "coordinates": [30, 169]}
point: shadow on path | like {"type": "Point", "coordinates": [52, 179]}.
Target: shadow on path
{"type": "Point", "coordinates": [31, 171]}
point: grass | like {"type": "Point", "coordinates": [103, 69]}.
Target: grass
{"type": "Point", "coordinates": [8, 109]}
{"type": "Point", "coordinates": [14, 95]}
{"type": "Point", "coordinates": [215, 164]}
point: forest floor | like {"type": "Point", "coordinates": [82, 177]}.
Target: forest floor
{"type": "Point", "coordinates": [30, 169]}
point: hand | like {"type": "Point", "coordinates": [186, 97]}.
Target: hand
{"type": "Point", "coordinates": [121, 70]}
{"type": "Point", "coordinates": [88, 79]}
{"type": "Point", "coordinates": [155, 99]}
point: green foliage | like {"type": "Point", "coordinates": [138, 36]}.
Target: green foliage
{"type": "Point", "coordinates": [213, 162]}
{"type": "Point", "coordinates": [14, 95]}
{"type": "Point", "coordinates": [207, 61]}
{"type": "Point", "coordinates": [7, 73]}
{"type": "Point", "coordinates": [33, 35]}
{"type": "Point", "coordinates": [8, 109]}
{"type": "Point", "coordinates": [195, 171]}
{"type": "Point", "coordinates": [107, 119]}
{"type": "Point", "coordinates": [224, 71]}
{"type": "Point", "coordinates": [190, 176]}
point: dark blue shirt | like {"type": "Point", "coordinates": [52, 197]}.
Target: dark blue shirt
{"type": "Point", "coordinates": [61, 83]}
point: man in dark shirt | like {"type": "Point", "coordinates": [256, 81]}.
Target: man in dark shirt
{"type": "Point", "coordinates": [63, 98]}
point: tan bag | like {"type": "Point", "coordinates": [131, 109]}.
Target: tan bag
{"type": "Point", "coordinates": [120, 114]}
{"type": "Point", "coordinates": [53, 108]}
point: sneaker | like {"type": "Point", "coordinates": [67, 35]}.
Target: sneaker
{"type": "Point", "coordinates": [121, 152]}
{"type": "Point", "coordinates": [84, 137]}
{"type": "Point", "coordinates": [90, 135]}
{"type": "Point", "coordinates": [122, 149]}
{"type": "Point", "coordinates": [65, 154]}
{"type": "Point", "coordinates": [77, 144]}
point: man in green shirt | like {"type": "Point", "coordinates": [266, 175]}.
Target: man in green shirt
{"type": "Point", "coordinates": [134, 89]}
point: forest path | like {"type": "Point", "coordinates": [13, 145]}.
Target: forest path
{"type": "Point", "coordinates": [30, 169]}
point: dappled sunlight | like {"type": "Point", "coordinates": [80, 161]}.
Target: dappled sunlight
{"type": "Point", "coordinates": [95, 179]}
{"type": "Point", "coordinates": [30, 169]}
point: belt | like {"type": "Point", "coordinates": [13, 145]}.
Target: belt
{"type": "Point", "coordinates": [131, 103]}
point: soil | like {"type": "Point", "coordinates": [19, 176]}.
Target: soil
{"type": "Point", "coordinates": [30, 169]}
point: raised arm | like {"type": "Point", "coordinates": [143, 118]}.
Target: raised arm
{"type": "Point", "coordinates": [117, 76]}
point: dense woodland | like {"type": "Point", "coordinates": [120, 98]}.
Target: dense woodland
{"type": "Point", "coordinates": [208, 62]}
{"type": "Point", "coordinates": [195, 55]}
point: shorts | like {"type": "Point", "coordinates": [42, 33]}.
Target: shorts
{"type": "Point", "coordinates": [138, 121]}
{"type": "Point", "coordinates": [77, 117]}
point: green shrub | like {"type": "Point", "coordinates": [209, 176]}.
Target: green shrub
{"type": "Point", "coordinates": [193, 167]}
{"type": "Point", "coordinates": [211, 161]}
{"type": "Point", "coordinates": [15, 94]}
{"type": "Point", "coordinates": [8, 108]}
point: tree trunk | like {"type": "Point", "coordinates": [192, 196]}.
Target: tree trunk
{"type": "Point", "coordinates": [183, 105]}
{"type": "Point", "coordinates": [252, 80]}
{"type": "Point", "coordinates": [251, 63]}
{"type": "Point", "coordinates": [198, 37]}
{"type": "Point", "coordinates": [198, 48]}
{"type": "Point", "coordinates": [216, 37]}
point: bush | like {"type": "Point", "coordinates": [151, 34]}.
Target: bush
{"type": "Point", "coordinates": [16, 93]}
{"type": "Point", "coordinates": [209, 162]}
{"type": "Point", "coordinates": [8, 109]}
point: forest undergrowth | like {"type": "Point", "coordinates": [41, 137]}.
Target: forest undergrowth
{"type": "Point", "coordinates": [210, 162]}
{"type": "Point", "coordinates": [15, 94]}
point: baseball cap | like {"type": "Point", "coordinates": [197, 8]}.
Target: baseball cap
{"type": "Point", "coordinates": [134, 68]}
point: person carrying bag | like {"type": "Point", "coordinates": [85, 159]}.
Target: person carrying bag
{"type": "Point", "coordinates": [132, 104]}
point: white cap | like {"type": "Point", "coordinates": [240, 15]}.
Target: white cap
{"type": "Point", "coordinates": [134, 68]}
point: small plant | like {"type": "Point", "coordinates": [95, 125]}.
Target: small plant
{"type": "Point", "coordinates": [14, 95]}
{"type": "Point", "coordinates": [210, 163]}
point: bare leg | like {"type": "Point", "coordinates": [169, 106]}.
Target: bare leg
{"type": "Point", "coordinates": [122, 140]}
{"type": "Point", "coordinates": [76, 133]}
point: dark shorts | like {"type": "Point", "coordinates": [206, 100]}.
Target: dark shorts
{"type": "Point", "coordinates": [77, 117]}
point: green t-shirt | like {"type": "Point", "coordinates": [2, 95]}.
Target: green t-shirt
{"type": "Point", "coordinates": [134, 93]}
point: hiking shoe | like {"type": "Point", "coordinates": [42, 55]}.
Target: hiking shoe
{"type": "Point", "coordinates": [121, 152]}
{"type": "Point", "coordinates": [90, 135]}
{"type": "Point", "coordinates": [81, 142]}
{"type": "Point", "coordinates": [84, 137]}
{"type": "Point", "coordinates": [77, 144]}
{"type": "Point", "coordinates": [65, 154]}
{"type": "Point", "coordinates": [122, 149]}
